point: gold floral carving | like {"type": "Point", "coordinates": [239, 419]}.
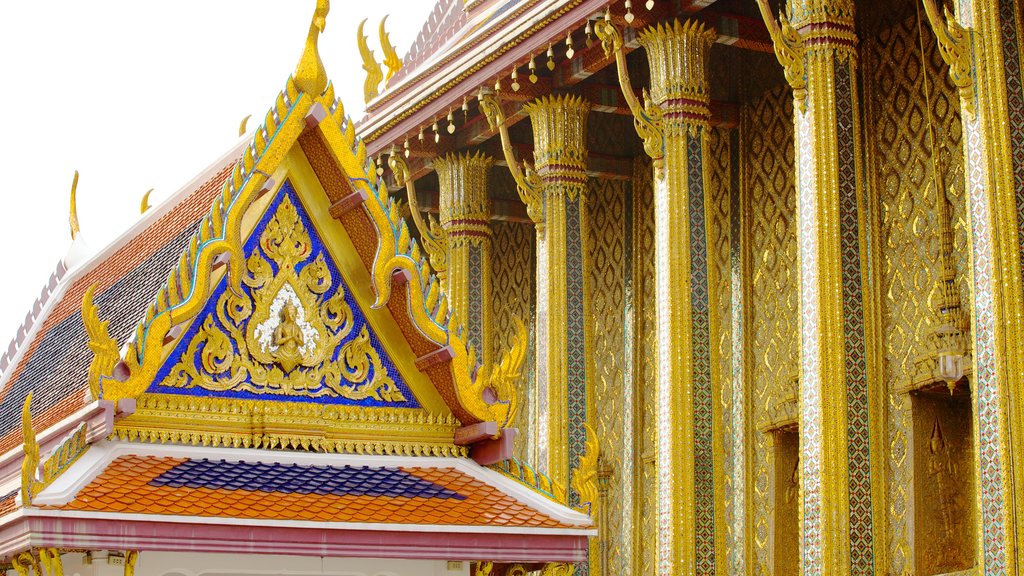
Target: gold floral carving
{"type": "Point", "coordinates": [789, 48]}
{"type": "Point", "coordinates": [584, 478]}
{"type": "Point", "coordinates": [558, 569]}
{"type": "Point", "coordinates": [38, 562]}
{"type": "Point", "coordinates": [105, 351]}
{"type": "Point", "coordinates": [955, 47]}
{"type": "Point", "coordinates": [30, 486]}
{"type": "Point", "coordinates": [432, 235]}
{"type": "Point", "coordinates": [528, 182]}
{"type": "Point", "coordinates": [646, 117]}
{"type": "Point", "coordinates": [282, 339]}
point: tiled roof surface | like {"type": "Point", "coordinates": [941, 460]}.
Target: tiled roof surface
{"type": "Point", "coordinates": [9, 502]}
{"type": "Point", "coordinates": [56, 361]}
{"type": "Point", "coordinates": [272, 491]}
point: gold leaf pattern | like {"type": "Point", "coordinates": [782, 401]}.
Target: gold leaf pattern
{"type": "Point", "coordinates": [606, 207]}
{"type": "Point", "coordinates": [513, 293]}
{"type": "Point", "coordinates": [770, 190]}
{"type": "Point", "coordinates": [897, 135]}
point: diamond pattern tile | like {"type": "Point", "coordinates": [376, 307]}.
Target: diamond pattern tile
{"type": "Point", "coordinates": [272, 491]}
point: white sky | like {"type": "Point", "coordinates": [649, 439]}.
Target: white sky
{"type": "Point", "coordinates": [139, 95]}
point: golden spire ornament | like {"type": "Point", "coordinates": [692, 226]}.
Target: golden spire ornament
{"type": "Point", "coordinates": [144, 205]}
{"type": "Point", "coordinates": [391, 59]}
{"type": "Point", "coordinates": [370, 65]}
{"type": "Point", "coordinates": [73, 216]}
{"type": "Point", "coordinates": [242, 125]}
{"type": "Point", "coordinates": [310, 75]}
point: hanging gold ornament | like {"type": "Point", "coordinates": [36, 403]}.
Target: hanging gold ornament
{"type": "Point", "coordinates": [451, 123]}
{"type": "Point", "coordinates": [405, 147]}
{"type": "Point", "coordinates": [551, 58]}
{"type": "Point", "coordinates": [533, 71]}
{"type": "Point", "coordinates": [437, 135]}
{"type": "Point", "coordinates": [650, 4]}
{"type": "Point", "coordinates": [569, 52]}
{"type": "Point", "coordinates": [515, 80]}
{"type": "Point", "coordinates": [589, 31]}
{"type": "Point", "coordinates": [629, 12]}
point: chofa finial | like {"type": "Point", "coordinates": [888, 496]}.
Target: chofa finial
{"type": "Point", "coordinates": [370, 65]}
{"type": "Point", "coordinates": [73, 216]}
{"type": "Point", "coordinates": [310, 76]}
{"type": "Point", "coordinates": [391, 59]}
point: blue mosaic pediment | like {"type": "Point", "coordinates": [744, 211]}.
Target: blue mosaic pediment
{"type": "Point", "coordinates": [295, 332]}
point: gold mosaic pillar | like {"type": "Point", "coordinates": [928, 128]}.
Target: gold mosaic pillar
{"type": "Point", "coordinates": [982, 45]}
{"type": "Point", "coordinates": [555, 194]}
{"type": "Point", "coordinates": [674, 126]}
{"type": "Point", "coordinates": [565, 354]}
{"type": "Point", "coordinates": [840, 469]}
{"type": "Point", "coordinates": [465, 216]}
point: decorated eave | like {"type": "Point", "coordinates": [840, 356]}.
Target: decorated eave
{"type": "Point", "coordinates": [484, 41]}
{"type": "Point", "coordinates": [146, 497]}
{"type": "Point", "coordinates": [302, 260]}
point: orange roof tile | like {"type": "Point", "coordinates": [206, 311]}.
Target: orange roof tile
{"type": "Point", "coordinates": [389, 495]}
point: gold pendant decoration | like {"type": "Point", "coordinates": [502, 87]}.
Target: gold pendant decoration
{"type": "Point", "coordinates": [290, 333]}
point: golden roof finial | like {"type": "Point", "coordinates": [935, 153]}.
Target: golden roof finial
{"type": "Point", "coordinates": [73, 217]}
{"type": "Point", "coordinates": [31, 462]}
{"type": "Point", "coordinates": [310, 75]}
{"type": "Point", "coordinates": [145, 202]}
{"type": "Point", "coordinates": [241, 126]}
{"type": "Point", "coordinates": [391, 59]}
{"type": "Point", "coordinates": [373, 73]}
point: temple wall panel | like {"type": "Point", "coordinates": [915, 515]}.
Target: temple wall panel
{"type": "Point", "coordinates": [646, 361]}
{"type": "Point", "coordinates": [512, 288]}
{"type": "Point", "coordinates": [718, 211]}
{"type": "Point", "coordinates": [899, 160]}
{"type": "Point", "coordinates": [608, 274]}
{"type": "Point", "coordinates": [769, 192]}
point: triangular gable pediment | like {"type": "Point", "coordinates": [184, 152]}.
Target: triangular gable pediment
{"type": "Point", "coordinates": [302, 224]}
{"type": "Point", "coordinates": [295, 333]}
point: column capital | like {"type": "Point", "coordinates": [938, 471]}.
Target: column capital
{"type": "Point", "coordinates": [560, 138]}
{"type": "Point", "coordinates": [462, 179]}
{"type": "Point", "coordinates": [825, 24]}
{"type": "Point", "coordinates": [678, 56]}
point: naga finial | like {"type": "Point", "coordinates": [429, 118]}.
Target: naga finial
{"type": "Point", "coordinates": [370, 65]}
{"type": "Point", "coordinates": [73, 216]}
{"type": "Point", "coordinates": [31, 461]}
{"type": "Point", "coordinates": [242, 125]}
{"type": "Point", "coordinates": [310, 76]}
{"type": "Point", "coordinates": [391, 59]}
{"type": "Point", "coordinates": [145, 205]}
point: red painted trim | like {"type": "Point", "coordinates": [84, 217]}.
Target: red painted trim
{"type": "Point", "coordinates": [122, 534]}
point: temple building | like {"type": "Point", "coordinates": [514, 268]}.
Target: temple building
{"type": "Point", "coordinates": [594, 287]}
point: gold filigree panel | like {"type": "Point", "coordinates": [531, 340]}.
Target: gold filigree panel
{"type": "Point", "coordinates": [717, 202]}
{"type": "Point", "coordinates": [899, 147]}
{"type": "Point", "coordinates": [606, 211]}
{"type": "Point", "coordinates": [513, 293]}
{"type": "Point", "coordinates": [646, 346]}
{"type": "Point", "coordinates": [768, 173]}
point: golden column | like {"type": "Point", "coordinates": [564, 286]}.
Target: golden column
{"type": "Point", "coordinates": [982, 45]}
{"type": "Point", "coordinates": [674, 125]}
{"type": "Point", "coordinates": [840, 446]}
{"type": "Point", "coordinates": [465, 217]}
{"type": "Point", "coordinates": [556, 197]}
{"type": "Point", "coordinates": [560, 155]}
